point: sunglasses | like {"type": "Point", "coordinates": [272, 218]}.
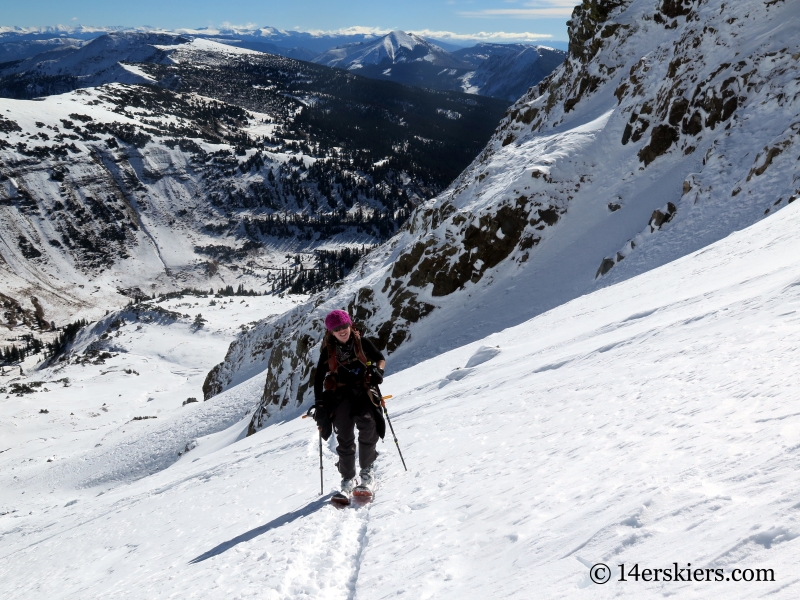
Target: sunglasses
{"type": "Point", "coordinates": [340, 328]}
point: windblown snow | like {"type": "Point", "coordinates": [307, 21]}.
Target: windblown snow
{"type": "Point", "coordinates": [650, 422]}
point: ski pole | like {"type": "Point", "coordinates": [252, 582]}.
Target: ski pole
{"type": "Point", "coordinates": [321, 486]}
{"type": "Point", "coordinates": [394, 435]}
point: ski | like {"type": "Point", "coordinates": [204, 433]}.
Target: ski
{"type": "Point", "coordinates": [363, 493]}
{"type": "Point", "coordinates": [340, 499]}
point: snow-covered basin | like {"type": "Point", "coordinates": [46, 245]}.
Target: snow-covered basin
{"type": "Point", "coordinates": [119, 419]}
{"type": "Point", "coordinates": [652, 422]}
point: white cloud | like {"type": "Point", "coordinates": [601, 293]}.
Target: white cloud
{"type": "Point", "coordinates": [506, 36]}
{"type": "Point", "coordinates": [246, 27]}
{"type": "Point", "coordinates": [355, 30]}
{"type": "Point", "coordinates": [532, 10]}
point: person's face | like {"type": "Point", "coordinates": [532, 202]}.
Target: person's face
{"type": "Point", "coordinates": [342, 333]}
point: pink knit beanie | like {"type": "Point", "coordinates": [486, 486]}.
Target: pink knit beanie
{"type": "Point", "coordinates": [337, 318]}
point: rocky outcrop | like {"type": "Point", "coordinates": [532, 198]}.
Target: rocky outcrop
{"type": "Point", "coordinates": [664, 130]}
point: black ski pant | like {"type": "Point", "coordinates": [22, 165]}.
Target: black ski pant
{"type": "Point", "coordinates": [344, 424]}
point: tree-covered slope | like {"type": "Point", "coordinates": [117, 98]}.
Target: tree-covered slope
{"type": "Point", "coordinates": [222, 166]}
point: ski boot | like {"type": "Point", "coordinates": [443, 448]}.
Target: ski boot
{"type": "Point", "coordinates": [365, 489]}
{"type": "Point", "coordinates": [342, 497]}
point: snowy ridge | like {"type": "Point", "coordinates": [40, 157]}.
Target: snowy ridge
{"type": "Point", "coordinates": [396, 47]}
{"type": "Point", "coordinates": [648, 422]}
{"type": "Point", "coordinates": [650, 142]}
{"type": "Point", "coordinates": [98, 61]}
{"type": "Point", "coordinates": [496, 70]}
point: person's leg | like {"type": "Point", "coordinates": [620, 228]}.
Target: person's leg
{"type": "Point", "coordinates": [367, 439]}
{"type": "Point", "coordinates": [346, 440]}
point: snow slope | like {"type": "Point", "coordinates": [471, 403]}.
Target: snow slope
{"type": "Point", "coordinates": [74, 238]}
{"type": "Point", "coordinates": [669, 126]}
{"type": "Point", "coordinates": [395, 47]}
{"type": "Point", "coordinates": [650, 422]}
{"type": "Point", "coordinates": [98, 61]}
{"type": "Point", "coordinates": [143, 361]}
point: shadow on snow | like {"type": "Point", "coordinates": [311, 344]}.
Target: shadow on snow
{"type": "Point", "coordinates": [274, 524]}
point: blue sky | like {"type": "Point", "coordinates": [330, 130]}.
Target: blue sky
{"type": "Point", "coordinates": [528, 19]}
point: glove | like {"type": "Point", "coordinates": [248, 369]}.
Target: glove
{"type": "Point", "coordinates": [375, 375]}
{"type": "Point", "coordinates": [323, 421]}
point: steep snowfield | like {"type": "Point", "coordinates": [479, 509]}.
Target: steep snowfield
{"type": "Point", "coordinates": [669, 126]}
{"type": "Point", "coordinates": [650, 422]}
{"type": "Point", "coordinates": [510, 74]}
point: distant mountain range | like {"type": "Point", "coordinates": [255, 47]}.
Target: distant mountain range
{"type": "Point", "coordinates": [499, 70]}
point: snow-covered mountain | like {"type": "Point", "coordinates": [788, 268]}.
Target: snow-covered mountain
{"type": "Point", "coordinates": [92, 64]}
{"type": "Point", "coordinates": [497, 70]}
{"type": "Point", "coordinates": [11, 51]}
{"type": "Point", "coordinates": [18, 43]}
{"type": "Point", "coordinates": [21, 42]}
{"type": "Point", "coordinates": [248, 164]}
{"type": "Point", "coordinates": [670, 126]}
{"type": "Point", "coordinates": [649, 423]}
{"type": "Point", "coordinates": [507, 71]}
{"type": "Point", "coordinates": [402, 57]}
{"type": "Point", "coordinates": [393, 49]}
{"type": "Point", "coordinates": [397, 56]}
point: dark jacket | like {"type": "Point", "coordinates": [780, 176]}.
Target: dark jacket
{"type": "Point", "coordinates": [350, 376]}
{"type": "Point", "coordinates": [346, 356]}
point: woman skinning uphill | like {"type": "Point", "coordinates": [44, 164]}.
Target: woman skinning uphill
{"type": "Point", "coordinates": [349, 366]}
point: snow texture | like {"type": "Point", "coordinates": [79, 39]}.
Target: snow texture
{"type": "Point", "coordinates": [648, 422]}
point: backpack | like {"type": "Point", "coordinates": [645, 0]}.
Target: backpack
{"type": "Point", "coordinates": [334, 379]}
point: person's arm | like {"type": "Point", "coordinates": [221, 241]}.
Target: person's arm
{"type": "Point", "coordinates": [319, 377]}
{"type": "Point", "coordinates": [373, 354]}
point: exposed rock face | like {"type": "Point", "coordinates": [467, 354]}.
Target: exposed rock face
{"type": "Point", "coordinates": [666, 129]}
